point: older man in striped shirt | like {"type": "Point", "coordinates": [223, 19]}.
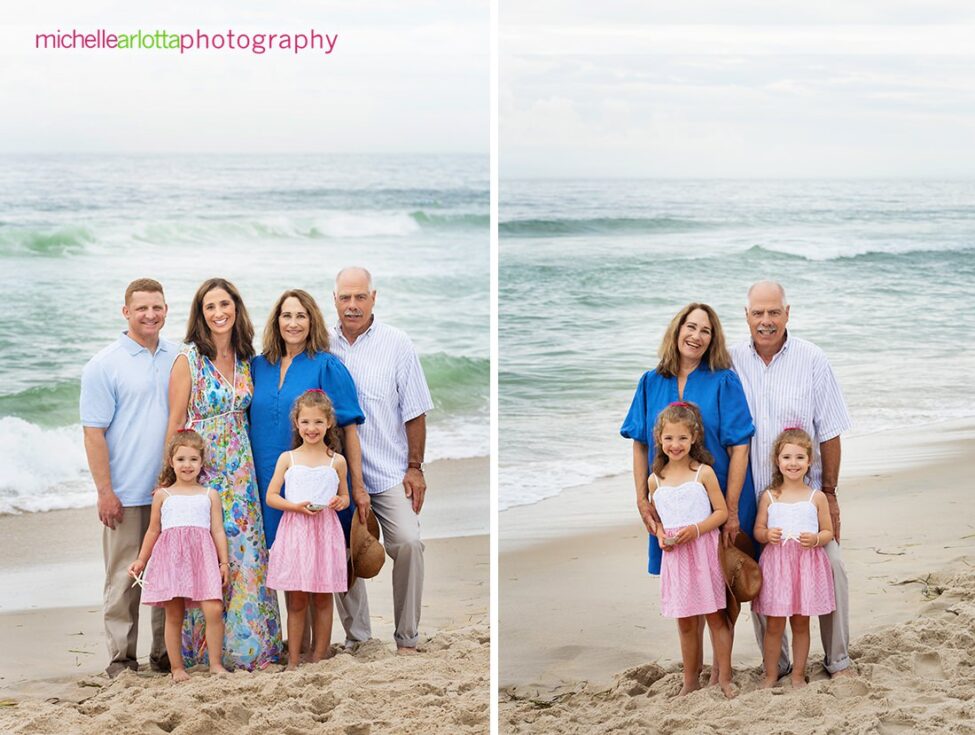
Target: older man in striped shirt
{"type": "Point", "coordinates": [394, 396]}
{"type": "Point", "coordinates": [789, 382]}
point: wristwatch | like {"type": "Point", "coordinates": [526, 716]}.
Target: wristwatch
{"type": "Point", "coordinates": [415, 466]}
{"type": "Point", "coordinates": [829, 490]}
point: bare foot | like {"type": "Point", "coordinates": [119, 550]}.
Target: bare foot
{"type": "Point", "coordinates": [688, 688]}
{"type": "Point", "coordinates": [798, 683]}
{"type": "Point", "coordinates": [291, 667]}
{"type": "Point", "coordinates": [848, 671]}
{"type": "Point", "coordinates": [406, 650]}
{"type": "Point", "coordinates": [768, 683]}
{"type": "Point", "coordinates": [714, 676]}
{"type": "Point", "coordinates": [218, 669]}
{"type": "Point", "coordinates": [180, 675]}
{"type": "Point", "coordinates": [328, 654]}
{"type": "Point", "coordinates": [727, 689]}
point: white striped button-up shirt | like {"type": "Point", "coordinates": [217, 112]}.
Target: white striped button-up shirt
{"type": "Point", "coordinates": [392, 390]}
{"type": "Point", "coordinates": [796, 389]}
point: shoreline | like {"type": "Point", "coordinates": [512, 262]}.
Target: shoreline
{"type": "Point", "coordinates": [554, 634]}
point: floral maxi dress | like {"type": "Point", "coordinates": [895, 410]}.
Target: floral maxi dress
{"type": "Point", "coordinates": [218, 412]}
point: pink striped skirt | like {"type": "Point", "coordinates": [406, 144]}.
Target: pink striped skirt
{"type": "Point", "coordinates": [183, 564]}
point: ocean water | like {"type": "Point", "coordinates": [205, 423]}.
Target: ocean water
{"type": "Point", "coordinates": [74, 230]}
{"type": "Point", "coordinates": [879, 274]}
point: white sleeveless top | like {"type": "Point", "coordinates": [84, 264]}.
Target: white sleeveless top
{"type": "Point", "coordinates": [682, 505]}
{"type": "Point", "coordinates": [185, 510]}
{"type": "Point", "coordinates": [317, 484]}
{"type": "Point", "coordinates": [793, 518]}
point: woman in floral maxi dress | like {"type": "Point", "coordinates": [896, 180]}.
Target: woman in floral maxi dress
{"type": "Point", "coordinates": [214, 403]}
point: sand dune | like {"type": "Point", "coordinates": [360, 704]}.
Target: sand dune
{"type": "Point", "coordinates": [444, 689]}
{"type": "Point", "coordinates": [915, 677]}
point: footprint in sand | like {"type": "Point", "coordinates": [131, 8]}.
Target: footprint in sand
{"type": "Point", "coordinates": [928, 665]}
{"type": "Point", "coordinates": [894, 726]}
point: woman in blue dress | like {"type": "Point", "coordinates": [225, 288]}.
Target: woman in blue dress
{"type": "Point", "coordinates": [296, 359]}
{"type": "Point", "coordinates": [695, 366]}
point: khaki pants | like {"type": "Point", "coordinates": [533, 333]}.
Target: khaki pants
{"type": "Point", "coordinates": [834, 629]}
{"type": "Point", "coordinates": [120, 547]}
{"type": "Point", "coordinates": [401, 537]}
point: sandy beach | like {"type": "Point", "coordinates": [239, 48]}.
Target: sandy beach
{"type": "Point", "coordinates": [51, 635]}
{"type": "Point", "coordinates": [584, 648]}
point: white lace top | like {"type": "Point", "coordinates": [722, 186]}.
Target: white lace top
{"type": "Point", "coordinates": [682, 505]}
{"type": "Point", "coordinates": [185, 510]}
{"type": "Point", "coordinates": [317, 484]}
{"type": "Point", "coordinates": [793, 518]}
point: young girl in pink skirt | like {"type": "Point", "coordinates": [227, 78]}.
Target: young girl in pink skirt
{"type": "Point", "coordinates": [797, 580]}
{"type": "Point", "coordinates": [685, 493]}
{"type": "Point", "coordinates": [186, 551]}
{"type": "Point", "coordinates": [308, 554]}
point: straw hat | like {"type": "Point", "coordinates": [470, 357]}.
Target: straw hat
{"type": "Point", "coordinates": [366, 554]}
{"type": "Point", "coordinates": [743, 577]}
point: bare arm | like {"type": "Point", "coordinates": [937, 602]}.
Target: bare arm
{"type": "Point", "coordinates": [353, 458]}
{"type": "Point", "coordinates": [825, 534]}
{"type": "Point", "coordinates": [179, 396]}
{"type": "Point", "coordinates": [152, 535]}
{"type": "Point", "coordinates": [341, 500]}
{"type": "Point", "coordinates": [830, 453]}
{"type": "Point", "coordinates": [96, 448]}
{"type": "Point", "coordinates": [219, 536]}
{"type": "Point", "coordinates": [737, 467]}
{"type": "Point", "coordinates": [641, 476]}
{"type": "Point", "coordinates": [414, 482]}
{"type": "Point", "coordinates": [764, 534]}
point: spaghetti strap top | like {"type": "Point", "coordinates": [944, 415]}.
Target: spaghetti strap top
{"type": "Point", "coordinates": [684, 504]}
{"type": "Point", "coordinates": [185, 510]}
{"type": "Point", "coordinates": [793, 518]}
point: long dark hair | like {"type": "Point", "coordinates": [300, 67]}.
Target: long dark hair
{"type": "Point", "coordinates": [198, 333]}
{"type": "Point", "coordinates": [689, 415]}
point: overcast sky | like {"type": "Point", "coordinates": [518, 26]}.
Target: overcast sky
{"type": "Point", "coordinates": [404, 77]}
{"type": "Point", "coordinates": [743, 89]}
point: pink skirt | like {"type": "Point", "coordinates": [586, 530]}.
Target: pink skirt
{"type": "Point", "coordinates": [308, 554]}
{"type": "Point", "coordinates": [691, 581]}
{"type": "Point", "coordinates": [183, 564]}
{"type": "Point", "coordinates": [795, 581]}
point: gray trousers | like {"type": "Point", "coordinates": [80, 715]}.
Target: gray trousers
{"type": "Point", "coordinates": [120, 547]}
{"type": "Point", "coordinates": [834, 628]}
{"type": "Point", "coordinates": [401, 537]}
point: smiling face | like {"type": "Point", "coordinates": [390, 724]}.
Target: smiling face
{"type": "Point", "coordinates": [354, 302]}
{"type": "Point", "coordinates": [187, 463]}
{"type": "Point", "coordinates": [767, 316]}
{"type": "Point", "coordinates": [312, 424]}
{"type": "Point", "coordinates": [793, 461]}
{"type": "Point", "coordinates": [676, 440]}
{"type": "Point", "coordinates": [219, 311]}
{"type": "Point", "coordinates": [145, 312]}
{"type": "Point", "coordinates": [694, 336]}
{"type": "Point", "coordinates": [294, 323]}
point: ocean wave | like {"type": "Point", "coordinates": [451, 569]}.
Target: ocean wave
{"type": "Point", "coordinates": [53, 242]}
{"type": "Point", "coordinates": [42, 469]}
{"type": "Point", "coordinates": [600, 226]}
{"type": "Point", "coordinates": [46, 243]}
{"type": "Point", "coordinates": [859, 251]}
{"type": "Point", "coordinates": [45, 405]}
{"type": "Point", "coordinates": [458, 384]}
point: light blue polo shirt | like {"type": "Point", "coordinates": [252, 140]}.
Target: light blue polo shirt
{"type": "Point", "coordinates": [124, 389]}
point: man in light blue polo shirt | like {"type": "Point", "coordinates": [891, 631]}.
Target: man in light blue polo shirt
{"type": "Point", "coordinates": [124, 412]}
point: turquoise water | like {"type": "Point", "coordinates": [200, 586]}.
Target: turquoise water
{"type": "Point", "coordinates": [879, 274]}
{"type": "Point", "coordinates": [74, 230]}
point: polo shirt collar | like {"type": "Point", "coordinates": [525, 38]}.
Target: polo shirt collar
{"type": "Point", "coordinates": [134, 348]}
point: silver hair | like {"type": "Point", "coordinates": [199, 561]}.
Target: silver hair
{"type": "Point", "coordinates": [358, 268]}
{"type": "Point", "coordinates": [774, 284]}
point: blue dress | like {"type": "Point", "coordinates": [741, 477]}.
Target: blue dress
{"type": "Point", "coordinates": [270, 414]}
{"type": "Point", "coordinates": [727, 423]}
